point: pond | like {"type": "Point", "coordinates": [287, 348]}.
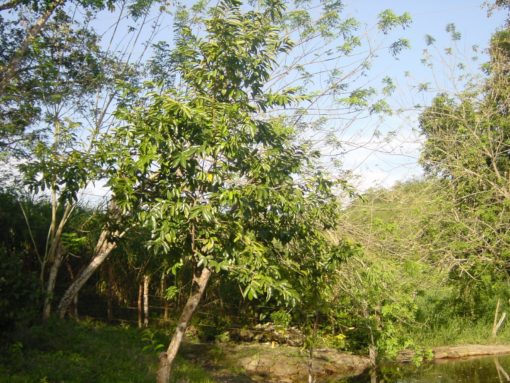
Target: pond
{"type": "Point", "coordinates": [493, 369]}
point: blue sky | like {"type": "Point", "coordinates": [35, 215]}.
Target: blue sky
{"type": "Point", "coordinates": [392, 156]}
{"type": "Point", "coordinates": [384, 162]}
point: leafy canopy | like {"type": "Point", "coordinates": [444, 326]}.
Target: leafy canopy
{"type": "Point", "coordinates": [219, 183]}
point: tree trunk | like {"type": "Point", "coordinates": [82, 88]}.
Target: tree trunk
{"type": "Point", "coordinates": [54, 253]}
{"type": "Point", "coordinates": [146, 281]}
{"type": "Point", "coordinates": [9, 5]}
{"type": "Point", "coordinates": [311, 378]}
{"type": "Point", "coordinates": [52, 279]}
{"type": "Point", "coordinates": [109, 307]}
{"type": "Point", "coordinates": [373, 376]}
{"type": "Point", "coordinates": [103, 248]}
{"type": "Point", "coordinates": [163, 298]}
{"type": "Point", "coordinates": [74, 308]}
{"type": "Point", "coordinates": [166, 358]}
{"type": "Point", "coordinates": [140, 304]}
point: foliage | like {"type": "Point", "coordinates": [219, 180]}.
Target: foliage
{"type": "Point", "coordinates": [467, 144]}
{"type": "Point", "coordinates": [213, 179]}
{"type": "Point", "coordinates": [384, 288]}
{"type": "Point", "coordinates": [212, 163]}
{"type": "Point", "coordinates": [20, 296]}
{"type": "Point", "coordinates": [62, 66]}
{"type": "Point", "coordinates": [459, 330]}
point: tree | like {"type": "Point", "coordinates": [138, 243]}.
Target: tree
{"type": "Point", "coordinates": [26, 83]}
{"type": "Point", "coordinates": [64, 77]}
{"type": "Point", "coordinates": [221, 186]}
{"type": "Point", "coordinates": [24, 61]}
{"type": "Point", "coordinates": [386, 289]}
{"type": "Point", "coordinates": [69, 68]}
{"type": "Point", "coordinates": [467, 146]}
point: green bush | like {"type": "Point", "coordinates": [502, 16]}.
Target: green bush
{"type": "Point", "coordinates": [19, 292]}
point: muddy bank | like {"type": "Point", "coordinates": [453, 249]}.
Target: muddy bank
{"type": "Point", "coordinates": [290, 364]}
{"type": "Point", "coordinates": [270, 362]}
{"type": "Point", "coordinates": [456, 352]}
{"type": "Point", "coordinates": [274, 363]}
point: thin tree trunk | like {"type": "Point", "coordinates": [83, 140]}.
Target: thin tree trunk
{"type": "Point", "coordinates": [146, 281]}
{"type": "Point", "coordinates": [52, 279]}
{"type": "Point", "coordinates": [166, 310]}
{"type": "Point", "coordinates": [9, 5]}
{"type": "Point", "coordinates": [109, 307]}
{"type": "Point", "coordinates": [74, 308]}
{"type": "Point", "coordinates": [10, 70]}
{"type": "Point", "coordinates": [103, 248]}
{"type": "Point", "coordinates": [166, 358]}
{"type": "Point", "coordinates": [140, 304]}
{"type": "Point", "coordinates": [373, 376]}
{"type": "Point", "coordinates": [163, 298]}
{"type": "Point", "coordinates": [311, 378]}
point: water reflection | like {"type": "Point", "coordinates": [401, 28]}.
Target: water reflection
{"type": "Point", "coordinates": [472, 370]}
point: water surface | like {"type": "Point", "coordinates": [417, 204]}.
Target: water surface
{"type": "Point", "coordinates": [493, 369]}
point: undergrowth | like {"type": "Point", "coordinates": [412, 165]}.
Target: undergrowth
{"type": "Point", "coordinates": [73, 352]}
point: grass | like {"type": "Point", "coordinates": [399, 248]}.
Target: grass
{"type": "Point", "coordinates": [66, 351]}
{"type": "Point", "coordinates": [459, 331]}
{"type": "Point", "coordinates": [190, 373]}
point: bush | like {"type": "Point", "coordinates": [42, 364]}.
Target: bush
{"type": "Point", "coordinates": [19, 292]}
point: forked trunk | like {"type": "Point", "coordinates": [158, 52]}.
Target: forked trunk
{"type": "Point", "coordinates": [103, 248]}
{"type": "Point", "coordinates": [54, 253]}
{"type": "Point", "coordinates": [166, 358]}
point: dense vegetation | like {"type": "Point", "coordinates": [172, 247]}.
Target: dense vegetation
{"type": "Point", "coordinates": [221, 213]}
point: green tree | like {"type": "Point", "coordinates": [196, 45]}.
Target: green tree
{"type": "Point", "coordinates": [222, 187]}
{"type": "Point", "coordinates": [65, 74]}
{"type": "Point", "coordinates": [31, 57]}
{"type": "Point", "coordinates": [385, 289]}
{"type": "Point", "coordinates": [70, 65]}
{"type": "Point", "coordinates": [42, 13]}
{"type": "Point", "coordinates": [467, 147]}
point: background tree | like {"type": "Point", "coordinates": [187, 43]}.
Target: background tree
{"type": "Point", "coordinates": [70, 65]}
{"type": "Point", "coordinates": [467, 146]}
{"type": "Point", "coordinates": [390, 285]}
{"type": "Point", "coordinates": [69, 81]}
